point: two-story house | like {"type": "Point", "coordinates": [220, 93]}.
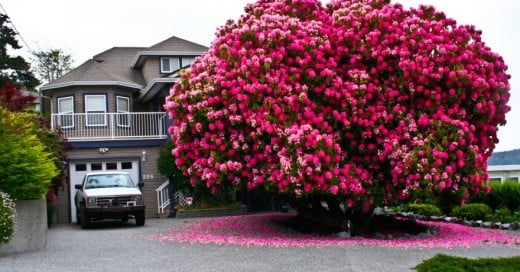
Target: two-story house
{"type": "Point", "coordinates": [110, 112]}
{"type": "Point", "coordinates": [504, 166]}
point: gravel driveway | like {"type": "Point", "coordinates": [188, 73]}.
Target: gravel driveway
{"type": "Point", "coordinates": [125, 247]}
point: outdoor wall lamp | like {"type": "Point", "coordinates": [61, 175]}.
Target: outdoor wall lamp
{"type": "Point", "coordinates": [103, 150]}
{"type": "Point", "coordinates": [143, 156]}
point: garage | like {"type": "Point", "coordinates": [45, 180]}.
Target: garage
{"type": "Point", "coordinates": [78, 169]}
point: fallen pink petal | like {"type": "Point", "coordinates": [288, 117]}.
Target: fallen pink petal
{"type": "Point", "coordinates": [261, 230]}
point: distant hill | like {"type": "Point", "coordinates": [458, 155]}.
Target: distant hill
{"type": "Point", "coordinates": [505, 158]}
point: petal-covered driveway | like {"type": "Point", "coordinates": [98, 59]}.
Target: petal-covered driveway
{"type": "Point", "coordinates": [266, 230]}
{"type": "Point", "coordinates": [124, 247]}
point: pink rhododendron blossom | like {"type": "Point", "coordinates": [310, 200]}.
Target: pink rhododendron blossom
{"type": "Point", "coordinates": [267, 230]}
{"type": "Point", "coordinates": [363, 100]}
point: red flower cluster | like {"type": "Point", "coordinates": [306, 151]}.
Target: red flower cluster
{"type": "Point", "coordinates": [358, 99]}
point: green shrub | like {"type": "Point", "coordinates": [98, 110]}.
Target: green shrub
{"type": "Point", "coordinates": [422, 209]}
{"type": "Point", "coordinates": [7, 215]}
{"type": "Point", "coordinates": [502, 195]}
{"type": "Point", "coordinates": [441, 263]}
{"type": "Point", "coordinates": [516, 216]}
{"type": "Point", "coordinates": [449, 200]}
{"type": "Point", "coordinates": [472, 211]}
{"type": "Point", "coordinates": [26, 168]}
{"type": "Point", "coordinates": [166, 166]}
{"type": "Point", "coordinates": [502, 215]}
{"type": "Point", "coordinates": [492, 199]}
{"type": "Point", "coordinates": [510, 195]}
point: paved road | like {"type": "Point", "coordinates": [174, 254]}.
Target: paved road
{"type": "Point", "coordinates": [124, 247]}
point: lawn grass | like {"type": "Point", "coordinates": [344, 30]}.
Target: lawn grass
{"type": "Point", "coordinates": [442, 262]}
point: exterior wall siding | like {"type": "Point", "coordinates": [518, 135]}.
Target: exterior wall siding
{"type": "Point", "coordinates": [504, 175]}
{"type": "Point", "coordinates": [62, 206]}
{"type": "Point", "coordinates": [151, 69]}
{"type": "Point", "coordinates": [79, 96]}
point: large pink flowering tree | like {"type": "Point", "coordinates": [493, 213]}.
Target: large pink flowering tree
{"type": "Point", "coordinates": [357, 104]}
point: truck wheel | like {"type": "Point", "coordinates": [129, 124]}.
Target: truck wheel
{"type": "Point", "coordinates": [139, 218]}
{"type": "Point", "coordinates": [78, 217]}
{"type": "Point", "coordinates": [85, 219]}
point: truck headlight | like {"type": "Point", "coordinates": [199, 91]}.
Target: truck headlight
{"type": "Point", "coordinates": [138, 199]}
{"type": "Point", "coordinates": [91, 201]}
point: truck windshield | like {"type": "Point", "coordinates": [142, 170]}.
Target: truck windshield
{"type": "Point", "coordinates": [109, 180]}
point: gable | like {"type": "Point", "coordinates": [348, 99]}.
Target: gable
{"type": "Point", "coordinates": [172, 46]}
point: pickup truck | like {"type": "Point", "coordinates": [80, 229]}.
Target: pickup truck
{"type": "Point", "coordinates": [108, 195]}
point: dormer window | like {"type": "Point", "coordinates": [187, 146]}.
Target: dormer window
{"type": "Point", "coordinates": [187, 61]}
{"type": "Point", "coordinates": [172, 64]}
{"type": "Point", "coordinates": [169, 65]}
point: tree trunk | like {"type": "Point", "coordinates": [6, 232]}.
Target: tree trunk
{"type": "Point", "coordinates": [319, 214]}
{"type": "Point", "coordinates": [323, 214]}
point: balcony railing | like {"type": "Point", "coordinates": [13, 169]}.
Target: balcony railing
{"type": "Point", "coordinates": [111, 126]}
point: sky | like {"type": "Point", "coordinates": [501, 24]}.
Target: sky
{"type": "Point", "coordinates": [84, 28]}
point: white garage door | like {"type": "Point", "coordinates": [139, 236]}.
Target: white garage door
{"type": "Point", "coordinates": [78, 169]}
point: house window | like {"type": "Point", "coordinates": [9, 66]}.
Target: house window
{"type": "Point", "coordinates": [169, 65]}
{"type": "Point", "coordinates": [65, 112]}
{"type": "Point", "coordinates": [495, 180]}
{"type": "Point", "coordinates": [95, 109]}
{"type": "Point", "coordinates": [186, 61]}
{"type": "Point", "coordinates": [513, 179]}
{"type": "Point", "coordinates": [123, 110]}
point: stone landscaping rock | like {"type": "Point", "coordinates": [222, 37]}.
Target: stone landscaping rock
{"type": "Point", "coordinates": [423, 235]}
{"type": "Point", "coordinates": [469, 223]}
{"type": "Point", "coordinates": [389, 213]}
{"type": "Point", "coordinates": [378, 211]}
{"type": "Point", "coordinates": [378, 235]}
{"type": "Point", "coordinates": [406, 214]}
{"type": "Point", "coordinates": [506, 226]}
{"type": "Point", "coordinates": [343, 234]}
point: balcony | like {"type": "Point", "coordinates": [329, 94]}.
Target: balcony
{"type": "Point", "coordinates": [111, 126]}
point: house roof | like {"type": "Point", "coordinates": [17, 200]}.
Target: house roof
{"type": "Point", "coordinates": [172, 46]}
{"type": "Point", "coordinates": [120, 66]}
{"type": "Point", "coordinates": [111, 67]}
{"type": "Point", "coordinates": [511, 157]}
{"type": "Point", "coordinates": [178, 44]}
